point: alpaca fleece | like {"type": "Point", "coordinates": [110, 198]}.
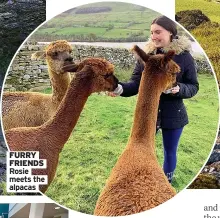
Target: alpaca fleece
{"type": "Point", "coordinates": [137, 181]}
{"type": "Point", "coordinates": [50, 137]}
{"type": "Point", "coordinates": [36, 108]}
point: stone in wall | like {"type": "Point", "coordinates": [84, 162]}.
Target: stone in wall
{"type": "Point", "coordinates": [202, 65]}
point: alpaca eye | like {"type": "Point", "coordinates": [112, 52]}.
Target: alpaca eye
{"type": "Point", "coordinates": [55, 54]}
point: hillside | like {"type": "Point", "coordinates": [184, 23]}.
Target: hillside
{"type": "Point", "coordinates": [208, 7]}
{"type": "Point", "coordinates": [104, 21]}
{"type": "Point", "coordinates": [207, 34]}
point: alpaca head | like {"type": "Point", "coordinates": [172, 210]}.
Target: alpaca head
{"type": "Point", "coordinates": [160, 65]}
{"type": "Point", "coordinates": [102, 70]}
{"type": "Point", "coordinates": [57, 54]}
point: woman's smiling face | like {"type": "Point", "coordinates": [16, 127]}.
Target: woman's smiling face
{"type": "Point", "coordinates": [160, 36]}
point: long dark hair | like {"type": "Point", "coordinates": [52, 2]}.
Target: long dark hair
{"type": "Point", "coordinates": [167, 24]}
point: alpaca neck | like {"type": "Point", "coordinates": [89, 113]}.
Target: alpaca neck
{"type": "Point", "coordinates": [144, 125]}
{"type": "Point", "coordinates": [60, 126]}
{"type": "Point", "coordinates": [59, 83]}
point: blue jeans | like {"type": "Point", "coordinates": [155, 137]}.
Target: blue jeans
{"type": "Point", "coordinates": [170, 143]}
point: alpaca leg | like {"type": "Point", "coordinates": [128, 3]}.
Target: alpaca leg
{"type": "Point", "coordinates": [170, 142]}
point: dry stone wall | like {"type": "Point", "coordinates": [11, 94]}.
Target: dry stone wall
{"type": "Point", "coordinates": [25, 74]}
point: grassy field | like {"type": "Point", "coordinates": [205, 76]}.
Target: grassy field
{"type": "Point", "coordinates": [122, 21]}
{"type": "Point", "coordinates": [75, 30]}
{"type": "Point", "coordinates": [210, 9]}
{"type": "Point", "coordinates": [102, 133]}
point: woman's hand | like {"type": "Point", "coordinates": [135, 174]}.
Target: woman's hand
{"type": "Point", "coordinates": [118, 91]}
{"type": "Point", "coordinates": [175, 89]}
{"type": "Point", "coordinates": [111, 94]}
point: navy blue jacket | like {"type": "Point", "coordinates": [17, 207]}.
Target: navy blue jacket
{"type": "Point", "coordinates": [171, 112]}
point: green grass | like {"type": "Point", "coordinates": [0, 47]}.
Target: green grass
{"type": "Point", "coordinates": [105, 24]}
{"type": "Point", "coordinates": [114, 33]}
{"type": "Point", "coordinates": [141, 26]}
{"type": "Point", "coordinates": [126, 18]}
{"type": "Point", "coordinates": [48, 30]}
{"type": "Point", "coordinates": [210, 9]}
{"type": "Point", "coordinates": [80, 30]}
{"type": "Point", "coordinates": [102, 133]}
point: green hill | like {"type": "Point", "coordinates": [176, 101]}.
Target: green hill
{"type": "Point", "coordinates": [105, 21]}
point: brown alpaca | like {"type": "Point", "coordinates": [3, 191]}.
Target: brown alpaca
{"type": "Point", "coordinates": [137, 182]}
{"type": "Point", "coordinates": [49, 138]}
{"type": "Point", "coordinates": [31, 108]}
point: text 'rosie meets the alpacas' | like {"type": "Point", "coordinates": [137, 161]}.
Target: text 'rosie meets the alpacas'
{"type": "Point", "coordinates": [20, 167]}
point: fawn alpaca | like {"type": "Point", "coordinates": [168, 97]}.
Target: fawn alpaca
{"type": "Point", "coordinates": [137, 181]}
{"type": "Point", "coordinates": [49, 138]}
{"type": "Point", "coordinates": [34, 108]}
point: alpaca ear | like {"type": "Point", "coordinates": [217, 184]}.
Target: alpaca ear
{"type": "Point", "coordinates": [169, 55]}
{"type": "Point", "coordinates": [86, 69]}
{"type": "Point", "coordinates": [140, 54]}
{"type": "Point", "coordinates": [38, 55]}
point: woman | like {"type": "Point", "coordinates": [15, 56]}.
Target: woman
{"type": "Point", "coordinates": [172, 115]}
